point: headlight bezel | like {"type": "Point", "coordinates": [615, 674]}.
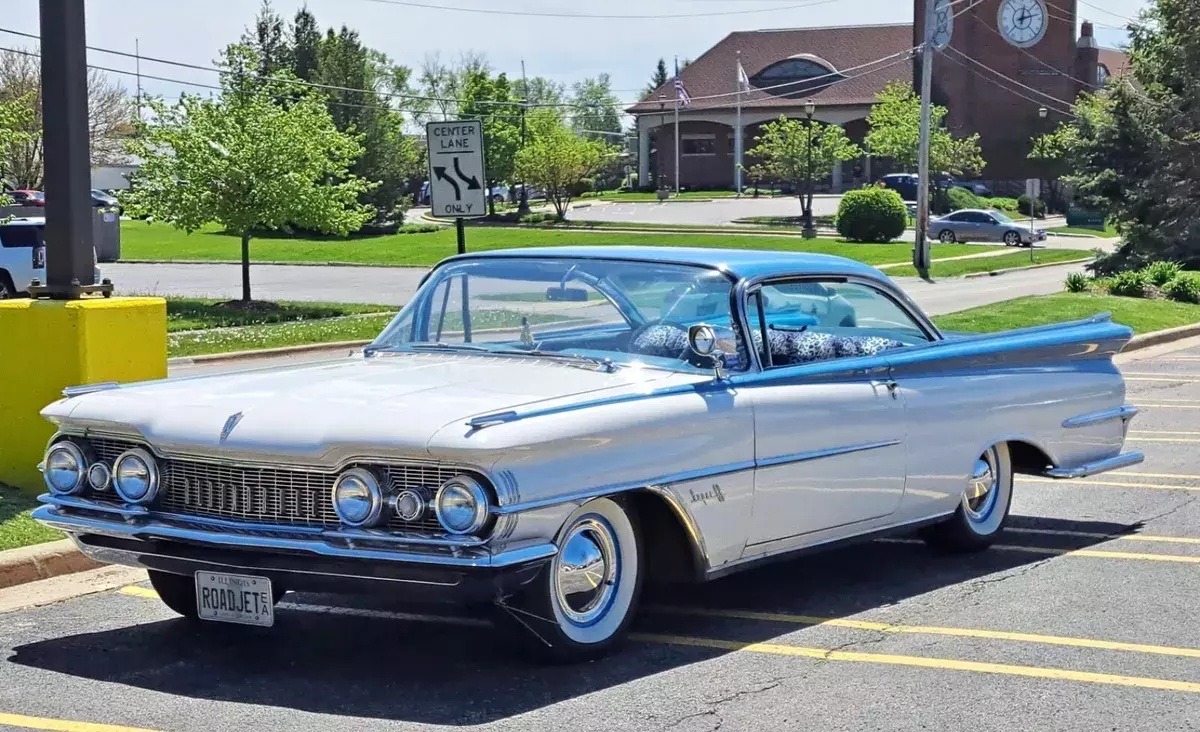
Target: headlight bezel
{"type": "Point", "coordinates": [76, 452]}
{"type": "Point", "coordinates": [475, 490]}
{"type": "Point", "coordinates": [374, 489]}
{"type": "Point", "coordinates": [152, 476]}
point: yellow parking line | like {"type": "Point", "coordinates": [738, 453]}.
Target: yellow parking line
{"type": "Point", "coordinates": [1055, 640]}
{"type": "Point", "coordinates": [139, 592]}
{"type": "Point", "coordinates": [1111, 483]}
{"type": "Point", "coordinates": [1162, 432]}
{"type": "Point", "coordinates": [1180, 476]}
{"type": "Point", "coordinates": [1155, 378]}
{"type": "Point", "coordinates": [1177, 440]}
{"type": "Point", "coordinates": [63, 725]}
{"type": "Point", "coordinates": [1158, 373]}
{"type": "Point", "coordinates": [824, 654]}
{"type": "Point", "coordinates": [1101, 535]}
{"type": "Point", "coordinates": [1055, 552]}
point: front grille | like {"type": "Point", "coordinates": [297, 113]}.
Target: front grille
{"type": "Point", "coordinates": [272, 495]}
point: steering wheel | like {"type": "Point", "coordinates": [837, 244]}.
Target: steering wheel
{"type": "Point", "coordinates": [667, 345]}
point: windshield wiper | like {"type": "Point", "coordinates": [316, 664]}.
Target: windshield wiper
{"type": "Point", "coordinates": [435, 346]}
{"type": "Point", "coordinates": [606, 365]}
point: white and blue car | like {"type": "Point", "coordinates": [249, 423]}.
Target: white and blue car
{"type": "Point", "coordinates": [546, 431]}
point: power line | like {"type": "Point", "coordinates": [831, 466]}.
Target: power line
{"type": "Point", "coordinates": [1026, 52]}
{"type": "Point", "coordinates": [1014, 92]}
{"type": "Point", "coordinates": [1109, 12]}
{"type": "Point", "coordinates": [597, 16]}
{"type": "Point", "coordinates": [1011, 80]}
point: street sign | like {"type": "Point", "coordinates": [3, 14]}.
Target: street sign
{"type": "Point", "coordinates": [1033, 188]}
{"type": "Point", "coordinates": [457, 184]}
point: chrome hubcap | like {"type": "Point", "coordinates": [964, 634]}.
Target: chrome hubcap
{"type": "Point", "coordinates": [585, 572]}
{"type": "Point", "coordinates": [980, 496]}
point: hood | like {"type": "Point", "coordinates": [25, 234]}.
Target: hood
{"type": "Point", "coordinates": [326, 413]}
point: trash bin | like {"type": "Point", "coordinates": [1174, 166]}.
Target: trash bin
{"type": "Point", "coordinates": [106, 230]}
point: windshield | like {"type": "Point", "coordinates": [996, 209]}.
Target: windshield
{"type": "Point", "coordinates": [1001, 217]}
{"type": "Point", "coordinates": [596, 311]}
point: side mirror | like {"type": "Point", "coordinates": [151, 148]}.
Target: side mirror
{"type": "Point", "coordinates": [713, 343]}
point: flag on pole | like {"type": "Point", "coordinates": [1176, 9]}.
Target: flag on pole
{"type": "Point", "coordinates": [681, 94]}
{"type": "Point", "coordinates": [742, 80]}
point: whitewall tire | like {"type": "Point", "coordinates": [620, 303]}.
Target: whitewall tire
{"type": "Point", "coordinates": [581, 604]}
{"type": "Point", "coordinates": [983, 506]}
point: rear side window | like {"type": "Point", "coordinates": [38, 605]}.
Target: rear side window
{"type": "Point", "coordinates": [21, 236]}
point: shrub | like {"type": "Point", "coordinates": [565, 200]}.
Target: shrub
{"type": "Point", "coordinates": [540, 217]}
{"type": "Point", "coordinates": [580, 187]}
{"type": "Point", "coordinates": [1128, 284]}
{"type": "Point", "coordinates": [961, 198]}
{"type": "Point", "coordinates": [872, 215]}
{"type": "Point", "coordinates": [1160, 273]}
{"type": "Point", "coordinates": [1003, 203]}
{"type": "Point", "coordinates": [1184, 287]}
{"type": "Point", "coordinates": [1039, 206]}
{"type": "Point", "coordinates": [1078, 282]}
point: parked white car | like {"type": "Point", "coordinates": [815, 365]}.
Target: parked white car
{"type": "Point", "coordinates": [23, 255]}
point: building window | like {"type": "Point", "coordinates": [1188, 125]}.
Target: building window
{"type": "Point", "coordinates": [1102, 75]}
{"type": "Point", "coordinates": [796, 76]}
{"type": "Point", "coordinates": [698, 145]}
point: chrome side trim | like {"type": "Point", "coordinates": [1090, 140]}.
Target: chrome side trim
{"type": "Point", "coordinates": [689, 524]}
{"type": "Point", "coordinates": [607, 490]}
{"type": "Point", "coordinates": [151, 529]}
{"type": "Point", "coordinates": [74, 391]}
{"type": "Point", "coordinates": [487, 420]}
{"type": "Point", "coordinates": [1124, 413]}
{"type": "Point", "coordinates": [801, 457]}
{"type": "Point", "coordinates": [124, 510]}
{"type": "Point", "coordinates": [1123, 460]}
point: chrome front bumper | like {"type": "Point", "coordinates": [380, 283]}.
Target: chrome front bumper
{"type": "Point", "coordinates": [1124, 460]}
{"type": "Point", "coordinates": [78, 517]}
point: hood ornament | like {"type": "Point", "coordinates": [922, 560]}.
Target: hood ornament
{"type": "Point", "coordinates": [229, 425]}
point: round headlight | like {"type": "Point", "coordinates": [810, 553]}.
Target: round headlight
{"type": "Point", "coordinates": [99, 477]}
{"type": "Point", "coordinates": [65, 468]}
{"type": "Point", "coordinates": [357, 498]}
{"type": "Point", "coordinates": [135, 476]}
{"type": "Point", "coordinates": [461, 505]}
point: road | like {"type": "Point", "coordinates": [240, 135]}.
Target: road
{"type": "Point", "coordinates": [717, 212]}
{"type": "Point", "coordinates": [1081, 619]}
{"type": "Point", "coordinates": [395, 285]}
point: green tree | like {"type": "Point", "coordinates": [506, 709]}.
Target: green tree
{"type": "Point", "coordinates": [1132, 148]}
{"type": "Point", "coordinates": [483, 98]}
{"type": "Point", "coordinates": [306, 44]}
{"type": "Point", "coordinates": [247, 162]}
{"type": "Point", "coordinates": [16, 121]}
{"type": "Point", "coordinates": [539, 90]}
{"type": "Point", "coordinates": [557, 160]}
{"type": "Point", "coordinates": [895, 132]}
{"type": "Point", "coordinates": [658, 78]}
{"type": "Point", "coordinates": [784, 148]}
{"type": "Point", "coordinates": [596, 109]}
{"type": "Point", "coordinates": [269, 40]}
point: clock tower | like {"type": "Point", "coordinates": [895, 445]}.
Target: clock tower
{"type": "Point", "coordinates": [1001, 60]}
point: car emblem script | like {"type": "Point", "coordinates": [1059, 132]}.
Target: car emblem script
{"type": "Point", "coordinates": [229, 425]}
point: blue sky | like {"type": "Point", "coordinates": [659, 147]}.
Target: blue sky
{"type": "Point", "coordinates": [565, 49]}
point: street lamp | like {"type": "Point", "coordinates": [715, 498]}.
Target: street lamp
{"type": "Point", "coordinates": [1041, 164]}
{"type": "Point", "coordinates": [810, 108]}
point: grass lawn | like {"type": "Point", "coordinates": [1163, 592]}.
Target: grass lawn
{"type": "Point", "coordinates": [1109, 231]}
{"type": "Point", "coordinates": [991, 264]}
{"type": "Point", "coordinates": [192, 313]}
{"type": "Point", "coordinates": [334, 330]}
{"type": "Point", "coordinates": [16, 528]}
{"type": "Point", "coordinates": [160, 242]}
{"type": "Point", "coordinates": [1141, 315]}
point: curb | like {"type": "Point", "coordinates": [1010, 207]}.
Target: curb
{"type": "Point", "coordinates": [998, 272]}
{"type": "Point", "coordinates": [256, 263]}
{"type": "Point", "coordinates": [265, 353]}
{"type": "Point", "coordinates": [1159, 337]}
{"type": "Point", "coordinates": [41, 561]}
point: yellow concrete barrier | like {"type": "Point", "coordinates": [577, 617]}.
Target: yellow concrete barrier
{"type": "Point", "coordinates": [46, 345]}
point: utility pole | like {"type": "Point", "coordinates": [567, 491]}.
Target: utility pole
{"type": "Point", "coordinates": [137, 61]}
{"type": "Point", "coordinates": [921, 255]}
{"type": "Point", "coordinates": [523, 208]}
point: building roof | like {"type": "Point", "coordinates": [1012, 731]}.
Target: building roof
{"type": "Point", "coordinates": [738, 263]}
{"type": "Point", "coordinates": [1116, 61]}
{"type": "Point", "coordinates": [715, 72]}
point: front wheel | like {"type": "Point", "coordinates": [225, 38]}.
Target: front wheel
{"type": "Point", "coordinates": [580, 607]}
{"type": "Point", "coordinates": [7, 289]}
{"type": "Point", "coordinates": [982, 510]}
{"type": "Point", "coordinates": [1012, 239]}
{"type": "Point", "coordinates": [946, 237]}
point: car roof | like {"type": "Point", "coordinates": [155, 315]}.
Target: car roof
{"type": "Point", "coordinates": [26, 221]}
{"type": "Point", "coordinates": [738, 263]}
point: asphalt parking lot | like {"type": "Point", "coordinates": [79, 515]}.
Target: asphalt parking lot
{"type": "Point", "coordinates": [1082, 618]}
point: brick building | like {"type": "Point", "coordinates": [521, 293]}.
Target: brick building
{"type": "Point", "coordinates": [1004, 60]}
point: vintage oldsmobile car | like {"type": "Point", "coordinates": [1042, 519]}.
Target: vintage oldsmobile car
{"type": "Point", "coordinates": [544, 430]}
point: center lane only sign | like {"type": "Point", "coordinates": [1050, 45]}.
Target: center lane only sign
{"type": "Point", "coordinates": [457, 184]}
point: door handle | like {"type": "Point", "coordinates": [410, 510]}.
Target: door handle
{"type": "Point", "coordinates": [891, 385]}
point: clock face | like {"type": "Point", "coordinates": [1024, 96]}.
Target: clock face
{"type": "Point", "coordinates": [1022, 22]}
{"type": "Point", "coordinates": [943, 29]}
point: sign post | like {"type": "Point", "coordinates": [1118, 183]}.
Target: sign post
{"type": "Point", "coordinates": [1033, 189]}
{"type": "Point", "coordinates": [457, 182]}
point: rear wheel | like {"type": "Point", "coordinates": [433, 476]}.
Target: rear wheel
{"type": "Point", "coordinates": [983, 508]}
{"type": "Point", "coordinates": [946, 237]}
{"type": "Point", "coordinates": [7, 289]}
{"type": "Point", "coordinates": [1012, 239]}
{"type": "Point", "coordinates": [581, 606]}
{"type": "Point", "coordinates": [178, 592]}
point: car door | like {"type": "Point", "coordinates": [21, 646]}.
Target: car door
{"type": "Point", "coordinates": [989, 229]}
{"type": "Point", "coordinates": [829, 422]}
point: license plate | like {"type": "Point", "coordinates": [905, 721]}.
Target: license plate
{"type": "Point", "coordinates": [234, 598]}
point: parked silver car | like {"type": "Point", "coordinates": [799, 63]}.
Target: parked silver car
{"type": "Point", "coordinates": [979, 225]}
